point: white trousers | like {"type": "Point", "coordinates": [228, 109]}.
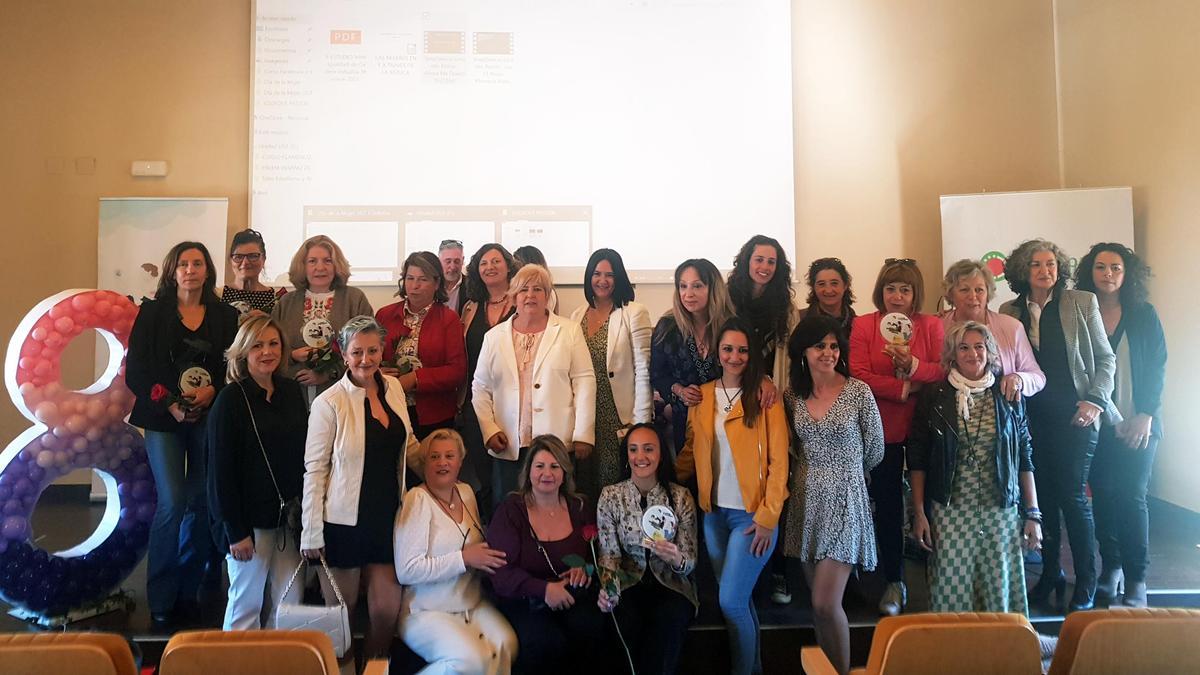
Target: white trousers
{"type": "Point", "coordinates": [256, 585]}
{"type": "Point", "coordinates": [478, 642]}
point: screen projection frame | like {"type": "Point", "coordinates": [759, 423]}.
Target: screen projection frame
{"type": "Point", "coordinates": [782, 200]}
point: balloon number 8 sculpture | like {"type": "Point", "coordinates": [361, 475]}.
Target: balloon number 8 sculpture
{"type": "Point", "coordinates": [72, 430]}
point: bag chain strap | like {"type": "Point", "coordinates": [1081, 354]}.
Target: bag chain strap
{"type": "Point", "coordinates": [253, 423]}
{"type": "Point", "coordinates": [337, 592]}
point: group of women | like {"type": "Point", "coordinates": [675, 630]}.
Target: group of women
{"type": "Point", "coordinates": [421, 448]}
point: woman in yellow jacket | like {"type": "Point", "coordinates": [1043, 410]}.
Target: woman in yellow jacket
{"type": "Point", "coordinates": [738, 452]}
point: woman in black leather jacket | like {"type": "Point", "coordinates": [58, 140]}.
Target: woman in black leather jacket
{"type": "Point", "coordinates": [969, 453]}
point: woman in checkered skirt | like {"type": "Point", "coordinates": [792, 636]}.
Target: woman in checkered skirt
{"type": "Point", "coordinates": [969, 453]}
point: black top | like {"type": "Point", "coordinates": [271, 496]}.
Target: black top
{"type": "Point", "coordinates": [1147, 359]}
{"type": "Point", "coordinates": [474, 339]}
{"type": "Point", "coordinates": [1058, 398]}
{"type": "Point", "coordinates": [241, 492]}
{"type": "Point", "coordinates": [932, 444]}
{"type": "Point", "coordinates": [161, 348]}
{"type": "Point", "coordinates": [244, 301]}
{"type": "Point", "coordinates": [383, 447]}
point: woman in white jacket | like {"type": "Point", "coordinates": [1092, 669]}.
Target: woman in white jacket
{"type": "Point", "coordinates": [444, 616]}
{"type": "Point", "coordinates": [354, 468]}
{"type": "Point", "coordinates": [617, 331]}
{"type": "Point", "coordinates": [534, 377]}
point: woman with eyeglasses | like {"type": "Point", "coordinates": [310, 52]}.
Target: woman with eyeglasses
{"type": "Point", "coordinates": [895, 371]}
{"type": "Point", "coordinates": [440, 552]}
{"type": "Point", "coordinates": [256, 434]}
{"type": "Point", "coordinates": [246, 291]}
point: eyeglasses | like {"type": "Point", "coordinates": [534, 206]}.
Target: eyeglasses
{"type": "Point", "coordinates": [242, 257]}
{"type": "Point", "coordinates": [899, 261]}
{"type": "Point", "coordinates": [450, 243]}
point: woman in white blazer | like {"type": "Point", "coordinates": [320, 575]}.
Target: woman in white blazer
{"type": "Point", "coordinates": [440, 552]}
{"type": "Point", "coordinates": [617, 331]}
{"type": "Point", "coordinates": [359, 436]}
{"type": "Point", "coordinates": [534, 377]}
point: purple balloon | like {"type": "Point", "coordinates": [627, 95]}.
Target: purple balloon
{"type": "Point", "coordinates": [145, 512]}
{"type": "Point", "coordinates": [13, 527]}
{"type": "Point", "coordinates": [13, 507]}
{"type": "Point", "coordinates": [22, 487]}
{"type": "Point", "coordinates": [142, 489]}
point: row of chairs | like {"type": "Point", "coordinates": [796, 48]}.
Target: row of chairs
{"type": "Point", "coordinates": [1123, 641]}
{"type": "Point", "coordinates": [1101, 642]}
{"type": "Point", "coordinates": [201, 652]}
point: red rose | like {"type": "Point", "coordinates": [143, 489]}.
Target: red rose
{"type": "Point", "coordinates": [590, 532]}
{"type": "Point", "coordinates": [158, 393]}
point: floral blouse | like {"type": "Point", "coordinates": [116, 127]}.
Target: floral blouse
{"type": "Point", "coordinates": [619, 543]}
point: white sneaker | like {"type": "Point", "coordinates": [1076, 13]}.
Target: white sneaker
{"type": "Point", "coordinates": [894, 599]}
{"type": "Point", "coordinates": [779, 590]}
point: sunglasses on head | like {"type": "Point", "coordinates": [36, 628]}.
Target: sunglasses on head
{"type": "Point", "coordinates": [899, 261]}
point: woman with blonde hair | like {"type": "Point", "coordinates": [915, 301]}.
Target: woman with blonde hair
{"type": "Point", "coordinates": [967, 288]}
{"type": "Point", "coordinates": [440, 551]}
{"type": "Point", "coordinates": [313, 313]}
{"type": "Point", "coordinates": [256, 439]}
{"type": "Point", "coordinates": [534, 377]}
{"type": "Point", "coordinates": [683, 348]}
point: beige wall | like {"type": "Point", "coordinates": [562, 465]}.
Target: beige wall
{"type": "Point", "coordinates": [1131, 116]}
{"type": "Point", "coordinates": [894, 104]}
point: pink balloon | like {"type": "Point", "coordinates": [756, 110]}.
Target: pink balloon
{"type": "Point", "coordinates": [84, 301]}
{"type": "Point", "coordinates": [47, 413]}
{"type": "Point", "coordinates": [39, 333]}
{"type": "Point", "coordinates": [103, 307]}
{"type": "Point", "coordinates": [64, 325]}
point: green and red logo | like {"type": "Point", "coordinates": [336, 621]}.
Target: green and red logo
{"type": "Point", "coordinates": [995, 262]}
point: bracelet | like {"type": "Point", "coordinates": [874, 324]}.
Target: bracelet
{"type": "Point", "coordinates": [682, 565]}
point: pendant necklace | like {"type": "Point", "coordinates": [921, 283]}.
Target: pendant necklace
{"type": "Point", "coordinates": [730, 399]}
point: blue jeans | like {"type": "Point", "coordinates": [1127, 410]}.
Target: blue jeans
{"type": "Point", "coordinates": [181, 541]}
{"type": "Point", "coordinates": [737, 570]}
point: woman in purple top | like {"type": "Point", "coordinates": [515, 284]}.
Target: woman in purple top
{"type": "Point", "coordinates": [551, 605]}
{"type": "Point", "coordinates": [968, 286]}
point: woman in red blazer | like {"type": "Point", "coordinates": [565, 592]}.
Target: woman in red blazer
{"type": "Point", "coordinates": [895, 373]}
{"type": "Point", "coordinates": [424, 346]}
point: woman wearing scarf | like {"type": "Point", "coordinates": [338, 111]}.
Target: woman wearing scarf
{"type": "Point", "coordinates": [969, 453]}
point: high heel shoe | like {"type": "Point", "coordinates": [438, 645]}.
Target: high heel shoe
{"type": "Point", "coordinates": [1047, 584]}
{"type": "Point", "coordinates": [1135, 595]}
{"type": "Point", "coordinates": [1109, 586]}
{"type": "Point", "coordinates": [1081, 601]}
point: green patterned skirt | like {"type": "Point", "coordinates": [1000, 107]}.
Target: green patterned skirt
{"type": "Point", "coordinates": [977, 565]}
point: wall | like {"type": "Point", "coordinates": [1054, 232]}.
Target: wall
{"type": "Point", "coordinates": [1131, 101]}
{"type": "Point", "coordinates": [894, 105]}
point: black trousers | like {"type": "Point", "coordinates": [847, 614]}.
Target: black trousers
{"type": "Point", "coordinates": [654, 621]}
{"type": "Point", "coordinates": [887, 491]}
{"type": "Point", "coordinates": [1120, 479]}
{"type": "Point", "coordinates": [1062, 461]}
{"type": "Point", "coordinates": [557, 642]}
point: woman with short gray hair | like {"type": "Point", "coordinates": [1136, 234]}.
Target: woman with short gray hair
{"type": "Point", "coordinates": [359, 436]}
{"type": "Point", "coordinates": [1072, 348]}
{"type": "Point", "coordinates": [968, 287]}
{"type": "Point", "coordinates": [969, 454]}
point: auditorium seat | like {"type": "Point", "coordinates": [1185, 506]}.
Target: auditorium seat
{"type": "Point", "coordinates": [1153, 641]}
{"type": "Point", "coordinates": [254, 652]}
{"type": "Point", "coordinates": [937, 644]}
{"type": "Point", "coordinates": [73, 653]}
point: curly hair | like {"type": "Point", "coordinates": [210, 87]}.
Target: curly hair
{"type": "Point", "coordinates": [820, 265]}
{"type": "Point", "coordinates": [297, 270]}
{"type": "Point", "coordinates": [769, 313]}
{"type": "Point", "coordinates": [1135, 289]}
{"type": "Point", "coordinates": [475, 288]}
{"type": "Point", "coordinates": [1016, 268]}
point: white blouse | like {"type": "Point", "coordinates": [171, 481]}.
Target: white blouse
{"type": "Point", "coordinates": [428, 547]}
{"type": "Point", "coordinates": [729, 493]}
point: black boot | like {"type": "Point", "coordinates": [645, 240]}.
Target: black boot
{"type": "Point", "coordinates": [1049, 583]}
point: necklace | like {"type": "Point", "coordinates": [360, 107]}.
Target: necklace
{"type": "Point", "coordinates": [497, 302]}
{"type": "Point", "coordinates": [730, 399]}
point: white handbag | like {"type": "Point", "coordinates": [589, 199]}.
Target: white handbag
{"type": "Point", "coordinates": [333, 621]}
